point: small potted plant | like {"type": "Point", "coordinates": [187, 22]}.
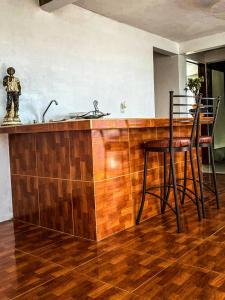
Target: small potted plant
{"type": "Point", "coordinates": [194, 85]}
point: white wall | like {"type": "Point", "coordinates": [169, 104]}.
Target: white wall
{"type": "Point", "coordinates": [74, 56]}
{"type": "Point", "coordinates": [170, 75]}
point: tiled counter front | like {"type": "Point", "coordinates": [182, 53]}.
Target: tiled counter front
{"type": "Point", "coordinates": [52, 180]}
{"type": "Point", "coordinates": [84, 182]}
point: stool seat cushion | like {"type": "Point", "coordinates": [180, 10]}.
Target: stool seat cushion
{"type": "Point", "coordinates": [205, 139]}
{"type": "Point", "coordinates": [165, 142]}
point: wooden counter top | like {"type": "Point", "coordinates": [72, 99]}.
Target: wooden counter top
{"type": "Point", "coordinates": [94, 124]}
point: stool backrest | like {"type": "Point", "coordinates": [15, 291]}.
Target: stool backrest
{"type": "Point", "coordinates": [209, 107]}
{"type": "Point", "coordinates": [177, 108]}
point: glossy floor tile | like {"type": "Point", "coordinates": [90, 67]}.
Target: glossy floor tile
{"type": "Point", "coordinates": [164, 244]}
{"type": "Point", "coordinates": [208, 255]}
{"type": "Point", "coordinates": [148, 261]}
{"type": "Point", "coordinates": [20, 272]}
{"type": "Point", "coordinates": [70, 253]}
{"type": "Point", "coordinates": [124, 268]}
{"type": "Point", "coordinates": [183, 282]}
{"type": "Point", "coordinates": [77, 286]}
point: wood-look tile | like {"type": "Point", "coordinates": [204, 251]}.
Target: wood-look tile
{"type": "Point", "coordinates": [14, 226]}
{"type": "Point", "coordinates": [55, 199]}
{"type": "Point", "coordinates": [208, 180]}
{"type": "Point", "coordinates": [8, 129]}
{"type": "Point", "coordinates": [81, 161]}
{"type": "Point", "coordinates": [183, 282]}
{"type": "Point", "coordinates": [164, 132]}
{"type": "Point", "coordinates": [70, 253]}
{"type": "Point", "coordinates": [22, 154]}
{"type": "Point", "coordinates": [191, 225]}
{"type": "Point", "coordinates": [110, 153]}
{"type": "Point", "coordinates": [32, 128]}
{"type": "Point", "coordinates": [124, 268]}
{"type": "Point", "coordinates": [53, 155]}
{"type": "Point", "coordinates": [20, 272]}
{"type": "Point", "coordinates": [139, 123]}
{"type": "Point", "coordinates": [218, 236]}
{"type": "Point", "coordinates": [76, 286]}
{"type": "Point", "coordinates": [163, 244]}
{"type": "Point", "coordinates": [185, 131]}
{"type": "Point", "coordinates": [114, 210]}
{"type": "Point", "coordinates": [73, 125]}
{"type": "Point", "coordinates": [35, 239]}
{"type": "Point", "coordinates": [155, 223]}
{"type": "Point", "coordinates": [118, 240]}
{"type": "Point", "coordinates": [84, 209]}
{"type": "Point", "coordinates": [208, 255]}
{"type": "Point", "coordinates": [152, 204]}
{"type": "Point", "coordinates": [25, 198]}
{"type": "Point", "coordinates": [136, 139]}
{"type": "Point", "coordinates": [101, 124]}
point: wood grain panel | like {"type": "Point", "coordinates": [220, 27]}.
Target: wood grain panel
{"type": "Point", "coordinates": [114, 208]}
{"type": "Point", "coordinates": [152, 204]}
{"type": "Point", "coordinates": [136, 139]}
{"type": "Point", "coordinates": [53, 155]}
{"type": "Point", "coordinates": [110, 153]}
{"type": "Point", "coordinates": [22, 154]}
{"type": "Point", "coordinates": [81, 155]}
{"type": "Point", "coordinates": [55, 204]}
{"type": "Point", "coordinates": [84, 209]}
{"type": "Point", "coordinates": [25, 198]}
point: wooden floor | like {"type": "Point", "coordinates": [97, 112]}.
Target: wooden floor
{"type": "Point", "coordinates": [149, 261]}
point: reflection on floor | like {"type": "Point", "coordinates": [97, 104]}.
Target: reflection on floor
{"type": "Point", "coordinates": [149, 261]}
{"type": "Point", "coordinates": [220, 168]}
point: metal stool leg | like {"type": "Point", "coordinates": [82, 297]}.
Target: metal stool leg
{"type": "Point", "coordinates": [175, 191]}
{"type": "Point", "coordinates": [195, 185]}
{"type": "Point", "coordinates": [164, 183]}
{"type": "Point", "coordinates": [144, 188]}
{"type": "Point", "coordinates": [214, 175]}
{"type": "Point", "coordinates": [200, 181]}
{"type": "Point", "coordinates": [168, 189]}
{"type": "Point", "coordinates": [185, 177]}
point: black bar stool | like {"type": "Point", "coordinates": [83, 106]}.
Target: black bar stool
{"type": "Point", "coordinates": [171, 145]}
{"type": "Point", "coordinates": [208, 107]}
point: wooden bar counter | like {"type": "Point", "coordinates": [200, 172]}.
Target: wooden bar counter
{"type": "Point", "coordinates": [85, 177]}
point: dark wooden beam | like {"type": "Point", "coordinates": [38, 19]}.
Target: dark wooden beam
{"type": "Point", "coordinates": [51, 5]}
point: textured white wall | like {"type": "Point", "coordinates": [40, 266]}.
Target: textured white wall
{"type": "Point", "coordinates": [74, 56]}
{"type": "Point", "coordinates": [170, 75]}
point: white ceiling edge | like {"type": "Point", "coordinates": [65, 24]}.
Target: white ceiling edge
{"type": "Point", "coordinates": [202, 44]}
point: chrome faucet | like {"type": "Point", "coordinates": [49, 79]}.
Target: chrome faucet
{"type": "Point", "coordinates": [44, 113]}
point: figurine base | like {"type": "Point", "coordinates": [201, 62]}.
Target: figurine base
{"type": "Point", "coordinates": [11, 122]}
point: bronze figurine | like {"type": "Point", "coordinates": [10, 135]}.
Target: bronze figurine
{"type": "Point", "coordinates": [13, 89]}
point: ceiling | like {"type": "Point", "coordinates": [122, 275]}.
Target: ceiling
{"type": "Point", "coordinates": [177, 20]}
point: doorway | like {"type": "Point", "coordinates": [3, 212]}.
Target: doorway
{"type": "Point", "coordinates": [216, 87]}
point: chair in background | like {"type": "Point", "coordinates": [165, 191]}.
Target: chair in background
{"type": "Point", "coordinates": [209, 107]}
{"type": "Point", "coordinates": [172, 145]}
